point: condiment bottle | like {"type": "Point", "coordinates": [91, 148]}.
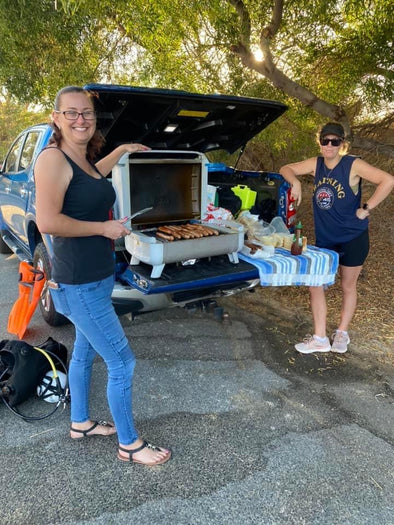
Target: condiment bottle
{"type": "Point", "coordinates": [296, 247]}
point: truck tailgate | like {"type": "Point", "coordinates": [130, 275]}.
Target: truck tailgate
{"type": "Point", "coordinates": [210, 272]}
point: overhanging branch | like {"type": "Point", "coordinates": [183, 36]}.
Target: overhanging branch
{"type": "Point", "coordinates": [377, 148]}
{"type": "Point", "coordinates": [244, 18]}
{"type": "Point", "coordinates": [272, 28]}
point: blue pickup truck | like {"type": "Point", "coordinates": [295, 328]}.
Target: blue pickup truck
{"type": "Point", "coordinates": [174, 124]}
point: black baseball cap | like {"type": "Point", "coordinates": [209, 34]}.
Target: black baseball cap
{"type": "Point", "coordinates": [332, 128]}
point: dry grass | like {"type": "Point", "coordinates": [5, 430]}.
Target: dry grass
{"type": "Point", "coordinates": [372, 328]}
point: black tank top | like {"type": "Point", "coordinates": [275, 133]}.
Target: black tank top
{"type": "Point", "coordinates": [79, 260]}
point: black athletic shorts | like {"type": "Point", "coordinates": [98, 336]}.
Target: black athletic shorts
{"type": "Point", "coordinates": [354, 252]}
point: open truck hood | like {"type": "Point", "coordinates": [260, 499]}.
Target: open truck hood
{"type": "Point", "coordinates": [178, 120]}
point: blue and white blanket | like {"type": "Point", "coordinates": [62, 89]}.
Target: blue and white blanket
{"type": "Point", "coordinates": [315, 267]}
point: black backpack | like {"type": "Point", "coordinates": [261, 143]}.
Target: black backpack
{"type": "Point", "coordinates": [265, 209]}
{"type": "Point", "coordinates": [22, 367]}
{"type": "Point", "coordinates": [228, 200]}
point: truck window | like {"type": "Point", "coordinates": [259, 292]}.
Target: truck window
{"type": "Point", "coordinates": [29, 149]}
{"type": "Point", "coordinates": [12, 160]}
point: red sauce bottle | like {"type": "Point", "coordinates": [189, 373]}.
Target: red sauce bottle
{"type": "Point", "coordinates": [296, 247]}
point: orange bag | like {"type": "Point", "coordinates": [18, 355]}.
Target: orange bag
{"type": "Point", "coordinates": [31, 283]}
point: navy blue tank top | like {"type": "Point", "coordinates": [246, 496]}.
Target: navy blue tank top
{"type": "Point", "coordinates": [335, 204]}
{"type": "Point", "coordinates": [79, 260]}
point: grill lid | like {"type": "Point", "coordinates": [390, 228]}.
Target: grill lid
{"type": "Point", "coordinates": [178, 120]}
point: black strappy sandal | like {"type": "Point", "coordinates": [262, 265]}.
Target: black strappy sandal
{"type": "Point", "coordinates": [85, 433]}
{"type": "Point", "coordinates": [144, 445]}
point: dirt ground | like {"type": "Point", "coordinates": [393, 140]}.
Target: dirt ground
{"type": "Point", "coordinates": [286, 311]}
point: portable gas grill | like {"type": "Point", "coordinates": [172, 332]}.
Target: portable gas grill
{"type": "Point", "coordinates": [174, 185]}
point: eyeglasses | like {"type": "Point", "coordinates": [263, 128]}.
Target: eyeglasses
{"type": "Point", "coordinates": [334, 142]}
{"type": "Point", "coordinates": [73, 115]}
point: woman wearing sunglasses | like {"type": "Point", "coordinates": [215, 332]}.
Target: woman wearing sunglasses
{"type": "Point", "coordinates": [341, 224]}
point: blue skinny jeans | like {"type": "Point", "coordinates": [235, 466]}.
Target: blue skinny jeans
{"type": "Point", "coordinates": [98, 330]}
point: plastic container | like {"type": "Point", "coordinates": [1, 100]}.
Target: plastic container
{"type": "Point", "coordinates": [266, 228]}
{"type": "Point", "coordinates": [247, 196]}
{"type": "Point", "coordinates": [279, 225]}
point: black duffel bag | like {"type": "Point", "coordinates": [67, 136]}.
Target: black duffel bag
{"type": "Point", "coordinates": [228, 200]}
{"type": "Point", "coordinates": [22, 367]}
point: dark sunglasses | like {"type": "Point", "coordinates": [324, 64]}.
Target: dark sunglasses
{"type": "Point", "coordinates": [334, 142]}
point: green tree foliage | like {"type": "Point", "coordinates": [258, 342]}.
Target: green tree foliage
{"type": "Point", "coordinates": [43, 46]}
{"type": "Point", "coordinates": [14, 117]}
{"type": "Point", "coordinates": [326, 60]}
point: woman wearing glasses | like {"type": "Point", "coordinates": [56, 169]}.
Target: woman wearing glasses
{"type": "Point", "coordinates": [73, 202]}
{"type": "Point", "coordinates": [341, 224]}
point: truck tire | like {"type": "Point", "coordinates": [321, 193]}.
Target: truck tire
{"type": "Point", "coordinates": [4, 248]}
{"type": "Point", "coordinates": [41, 262]}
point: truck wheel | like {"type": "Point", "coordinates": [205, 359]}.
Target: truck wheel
{"type": "Point", "coordinates": [4, 248]}
{"type": "Point", "coordinates": [41, 262]}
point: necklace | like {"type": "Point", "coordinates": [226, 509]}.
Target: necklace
{"type": "Point", "coordinates": [328, 173]}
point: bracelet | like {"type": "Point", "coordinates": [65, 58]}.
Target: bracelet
{"type": "Point", "coordinates": [365, 206]}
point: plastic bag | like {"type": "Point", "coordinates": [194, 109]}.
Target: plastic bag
{"type": "Point", "coordinates": [216, 214]}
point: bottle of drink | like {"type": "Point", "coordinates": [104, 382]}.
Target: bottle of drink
{"type": "Point", "coordinates": [296, 247]}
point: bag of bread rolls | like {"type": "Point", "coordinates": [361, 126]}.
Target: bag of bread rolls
{"type": "Point", "coordinates": [268, 240]}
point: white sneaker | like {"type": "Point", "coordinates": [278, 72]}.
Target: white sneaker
{"type": "Point", "coordinates": [340, 340]}
{"type": "Point", "coordinates": [311, 345]}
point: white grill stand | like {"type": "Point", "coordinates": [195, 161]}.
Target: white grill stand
{"type": "Point", "coordinates": [233, 257]}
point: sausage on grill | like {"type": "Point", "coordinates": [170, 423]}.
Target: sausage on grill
{"type": "Point", "coordinates": [164, 236]}
{"type": "Point", "coordinates": [169, 231]}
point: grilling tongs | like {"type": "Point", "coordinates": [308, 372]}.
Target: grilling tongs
{"type": "Point", "coordinates": [133, 215]}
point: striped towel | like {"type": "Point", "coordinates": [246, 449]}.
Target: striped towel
{"type": "Point", "coordinates": [315, 267]}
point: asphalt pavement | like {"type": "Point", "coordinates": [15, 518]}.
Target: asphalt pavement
{"type": "Point", "coordinates": [254, 441]}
